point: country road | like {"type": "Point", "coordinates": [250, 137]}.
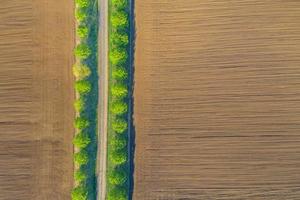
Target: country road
{"type": "Point", "coordinates": [103, 98]}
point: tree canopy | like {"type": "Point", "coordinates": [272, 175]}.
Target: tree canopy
{"type": "Point", "coordinates": [119, 91]}
{"type": "Point", "coordinates": [118, 142]}
{"type": "Point", "coordinates": [117, 177]}
{"type": "Point", "coordinates": [82, 3]}
{"type": "Point", "coordinates": [118, 56]}
{"type": "Point", "coordinates": [119, 125]}
{"type": "Point", "coordinates": [119, 73]}
{"type": "Point", "coordinates": [81, 140]}
{"type": "Point", "coordinates": [79, 193]}
{"type": "Point", "coordinates": [80, 15]}
{"type": "Point", "coordinates": [119, 19]}
{"type": "Point", "coordinates": [118, 107]}
{"type": "Point", "coordinates": [118, 157]}
{"type": "Point", "coordinates": [117, 193]}
{"type": "Point", "coordinates": [81, 71]}
{"type": "Point", "coordinates": [81, 123]}
{"type": "Point", "coordinates": [81, 157]}
{"type": "Point", "coordinates": [80, 176]}
{"type": "Point", "coordinates": [82, 51]}
{"type": "Point", "coordinates": [83, 86]}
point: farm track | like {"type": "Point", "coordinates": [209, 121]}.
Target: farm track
{"type": "Point", "coordinates": [103, 98]}
{"type": "Point", "coordinates": [217, 100]}
{"type": "Point", "coordinates": [36, 95]}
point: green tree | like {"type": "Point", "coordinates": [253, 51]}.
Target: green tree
{"type": "Point", "coordinates": [82, 3]}
{"type": "Point", "coordinates": [80, 15]}
{"type": "Point", "coordinates": [80, 176]}
{"type": "Point", "coordinates": [117, 193]}
{"type": "Point", "coordinates": [119, 125]}
{"type": "Point", "coordinates": [82, 31]}
{"type": "Point", "coordinates": [79, 193]}
{"type": "Point", "coordinates": [81, 140]}
{"type": "Point", "coordinates": [119, 39]}
{"type": "Point", "coordinates": [119, 19]}
{"type": "Point", "coordinates": [117, 177]}
{"type": "Point", "coordinates": [82, 51]}
{"type": "Point", "coordinates": [120, 4]}
{"type": "Point", "coordinates": [118, 142]}
{"type": "Point", "coordinates": [119, 74]}
{"type": "Point", "coordinates": [83, 86]}
{"type": "Point", "coordinates": [118, 55]}
{"type": "Point", "coordinates": [81, 71]}
{"type": "Point", "coordinates": [79, 104]}
{"type": "Point", "coordinates": [81, 157]}
{"type": "Point", "coordinates": [118, 107]}
{"type": "Point", "coordinates": [118, 157]}
{"type": "Point", "coordinates": [119, 91]}
{"type": "Point", "coordinates": [81, 123]}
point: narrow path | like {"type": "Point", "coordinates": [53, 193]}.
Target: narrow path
{"type": "Point", "coordinates": [103, 97]}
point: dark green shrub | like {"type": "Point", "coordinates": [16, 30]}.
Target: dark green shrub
{"type": "Point", "coordinates": [81, 157]}
{"type": "Point", "coordinates": [117, 177]}
{"type": "Point", "coordinates": [81, 123]}
{"type": "Point", "coordinates": [119, 73]}
{"type": "Point", "coordinates": [117, 193]}
{"type": "Point", "coordinates": [80, 15]}
{"type": "Point", "coordinates": [119, 125]}
{"type": "Point", "coordinates": [118, 157]}
{"type": "Point", "coordinates": [82, 31]}
{"type": "Point", "coordinates": [119, 19]}
{"type": "Point", "coordinates": [118, 142]}
{"type": "Point", "coordinates": [79, 193]}
{"type": "Point", "coordinates": [118, 107]}
{"type": "Point", "coordinates": [118, 56]}
{"type": "Point", "coordinates": [80, 176]}
{"type": "Point", "coordinates": [83, 86]}
{"type": "Point", "coordinates": [119, 91]}
{"type": "Point", "coordinates": [82, 3]}
{"type": "Point", "coordinates": [81, 140]}
{"type": "Point", "coordinates": [82, 51]}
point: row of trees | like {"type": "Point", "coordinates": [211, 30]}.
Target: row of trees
{"type": "Point", "coordinates": [118, 105]}
{"type": "Point", "coordinates": [82, 88]}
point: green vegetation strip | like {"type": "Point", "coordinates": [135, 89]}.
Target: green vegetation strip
{"type": "Point", "coordinates": [118, 165]}
{"type": "Point", "coordinates": [86, 73]}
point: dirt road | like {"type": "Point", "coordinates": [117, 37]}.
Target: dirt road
{"type": "Point", "coordinates": [36, 96]}
{"type": "Point", "coordinates": [217, 100]}
{"type": "Point", "coordinates": [103, 97]}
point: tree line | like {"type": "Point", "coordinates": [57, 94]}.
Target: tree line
{"type": "Point", "coordinates": [83, 87]}
{"type": "Point", "coordinates": [117, 172]}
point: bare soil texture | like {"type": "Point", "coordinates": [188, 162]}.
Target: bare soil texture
{"type": "Point", "coordinates": [217, 100]}
{"type": "Point", "coordinates": [36, 95]}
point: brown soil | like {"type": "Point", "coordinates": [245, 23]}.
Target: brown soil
{"type": "Point", "coordinates": [36, 95]}
{"type": "Point", "coordinates": [217, 100]}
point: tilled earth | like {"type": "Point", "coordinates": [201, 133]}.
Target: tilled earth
{"type": "Point", "coordinates": [36, 95]}
{"type": "Point", "coordinates": [217, 100]}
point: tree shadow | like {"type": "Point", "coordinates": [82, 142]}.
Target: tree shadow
{"type": "Point", "coordinates": [131, 89]}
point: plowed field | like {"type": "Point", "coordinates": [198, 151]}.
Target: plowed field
{"type": "Point", "coordinates": [36, 95]}
{"type": "Point", "coordinates": [217, 100]}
